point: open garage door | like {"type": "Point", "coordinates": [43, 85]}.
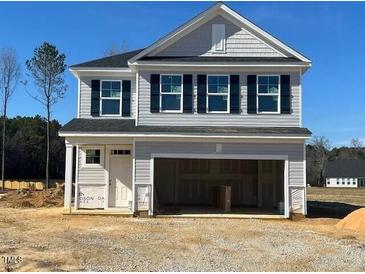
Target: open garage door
{"type": "Point", "coordinates": [197, 186]}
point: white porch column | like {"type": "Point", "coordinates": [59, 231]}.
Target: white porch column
{"type": "Point", "coordinates": [68, 177]}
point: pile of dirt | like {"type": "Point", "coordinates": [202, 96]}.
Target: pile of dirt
{"type": "Point", "coordinates": [355, 221]}
{"type": "Point", "coordinates": [33, 198]}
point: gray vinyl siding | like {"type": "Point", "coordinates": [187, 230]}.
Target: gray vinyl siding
{"type": "Point", "coordinates": [90, 175]}
{"type": "Point", "coordinates": [239, 42]}
{"type": "Point", "coordinates": [294, 152]}
{"type": "Point", "coordinates": [224, 119]}
{"type": "Point", "coordinates": [85, 95]}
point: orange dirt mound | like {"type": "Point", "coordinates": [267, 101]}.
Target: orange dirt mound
{"type": "Point", "coordinates": [355, 221]}
{"type": "Point", "coordinates": [32, 198]}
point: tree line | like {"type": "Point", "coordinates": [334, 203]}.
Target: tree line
{"type": "Point", "coordinates": [45, 69]}
{"type": "Point", "coordinates": [26, 148]}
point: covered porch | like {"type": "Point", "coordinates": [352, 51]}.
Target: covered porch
{"type": "Point", "coordinates": [101, 171]}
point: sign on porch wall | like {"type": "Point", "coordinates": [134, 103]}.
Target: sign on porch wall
{"type": "Point", "coordinates": [91, 196]}
{"type": "Point", "coordinates": [143, 197]}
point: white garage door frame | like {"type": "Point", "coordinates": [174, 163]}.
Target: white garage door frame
{"type": "Point", "coordinates": [223, 156]}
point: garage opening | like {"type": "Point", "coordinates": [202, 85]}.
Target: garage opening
{"type": "Point", "coordinates": [216, 186]}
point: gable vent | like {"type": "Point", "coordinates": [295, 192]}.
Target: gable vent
{"type": "Point", "coordinates": [218, 37]}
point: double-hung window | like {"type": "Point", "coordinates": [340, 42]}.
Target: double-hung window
{"type": "Point", "coordinates": [268, 93]}
{"type": "Point", "coordinates": [92, 156]}
{"type": "Point", "coordinates": [110, 99]}
{"type": "Point", "coordinates": [170, 93]}
{"type": "Point", "coordinates": [217, 93]}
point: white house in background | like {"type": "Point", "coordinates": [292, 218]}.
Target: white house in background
{"type": "Point", "coordinates": [345, 173]}
{"type": "Point", "coordinates": [216, 102]}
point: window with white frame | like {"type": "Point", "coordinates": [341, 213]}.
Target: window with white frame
{"type": "Point", "coordinates": [217, 93]}
{"type": "Point", "coordinates": [268, 93]}
{"type": "Point", "coordinates": [218, 37]}
{"type": "Point", "coordinates": [92, 156]}
{"type": "Point", "coordinates": [170, 93]}
{"type": "Point", "coordinates": [110, 99]}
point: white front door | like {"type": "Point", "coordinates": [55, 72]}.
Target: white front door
{"type": "Point", "coordinates": [120, 181]}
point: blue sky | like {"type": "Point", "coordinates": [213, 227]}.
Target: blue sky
{"type": "Point", "coordinates": [331, 34]}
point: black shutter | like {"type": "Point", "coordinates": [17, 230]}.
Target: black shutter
{"type": "Point", "coordinates": [95, 98]}
{"type": "Point", "coordinates": [234, 103]}
{"type": "Point", "coordinates": [285, 94]}
{"type": "Point", "coordinates": [188, 93]}
{"type": "Point", "coordinates": [155, 93]}
{"type": "Point", "coordinates": [251, 94]}
{"type": "Point", "coordinates": [126, 98]}
{"type": "Point", "coordinates": [202, 93]}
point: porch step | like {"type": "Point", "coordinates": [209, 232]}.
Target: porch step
{"type": "Point", "coordinates": [121, 213]}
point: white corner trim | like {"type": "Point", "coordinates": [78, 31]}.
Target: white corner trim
{"type": "Point", "coordinates": [78, 96]}
{"type": "Point", "coordinates": [136, 114]}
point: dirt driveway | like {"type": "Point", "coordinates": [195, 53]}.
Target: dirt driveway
{"type": "Point", "coordinates": [48, 241]}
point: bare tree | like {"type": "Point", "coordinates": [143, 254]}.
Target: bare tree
{"type": "Point", "coordinates": [47, 68]}
{"type": "Point", "coordinates": [9, 77]}
{"type": "Point", "coordinates": [357, 149]}
{"type": "Point", "coordinates": [321, 147]}
{"type": "Point", "coordinates": [115, 49]}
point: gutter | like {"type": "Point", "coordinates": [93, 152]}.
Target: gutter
{"type": "Point", "coordinates": [164, 135]}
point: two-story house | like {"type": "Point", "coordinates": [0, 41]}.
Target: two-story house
{"type": "Point", "coordinates": [216, 102]}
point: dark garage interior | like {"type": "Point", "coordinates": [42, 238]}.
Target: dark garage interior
{"type": "Point", "coordinates": [209, 186]}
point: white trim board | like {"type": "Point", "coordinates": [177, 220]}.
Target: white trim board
{"type": "Point", "coordinates": [220, 9]}
{"type": "Point", "coordinates": [157, 135]}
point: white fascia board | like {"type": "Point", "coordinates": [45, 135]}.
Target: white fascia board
{"type": "Point", "coordinates": [260, 31]}
{"type": "Point", "coordinates": [189, 26]}
{"type": "Point", "coordinates": [77, 72]}
{"type": "Point", "coordinates": [177, 32]}
{"type": "Point", "coordinates": [162, 135]}
{"type": "Point", "coordinates": [220, 64]}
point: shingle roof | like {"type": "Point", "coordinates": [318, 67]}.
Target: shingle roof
{"type": "Point", "coordinates": [220, 59]}
{"type": "Point", "coordinates": [115, 61]}
{"type": "Point", "coordinates": [344, 168]}
{"type": "Point", "coordinates": [128, 126]}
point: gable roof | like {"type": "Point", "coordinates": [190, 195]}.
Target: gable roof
{"type": "Point", "coordinates": [114, 61]}
{"type": "Point", "coordinates": [345, 168]}
{"type": "Point", "coordinates": [222, 9]}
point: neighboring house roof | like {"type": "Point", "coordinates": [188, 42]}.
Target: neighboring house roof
{"type": "Point", "coordinates": [127, 126]}
{"type": "Point", "coordinates": [114, 61]}
{"type": "Point", "coordinates": [344, 168]}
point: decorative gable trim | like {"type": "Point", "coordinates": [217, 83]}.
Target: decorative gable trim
{"type": "Point", "coordinates": [220, 9]}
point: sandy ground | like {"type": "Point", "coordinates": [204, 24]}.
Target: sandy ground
{"type": "Point", "coordinates": [46, 240]}
{"type": "Point", "coordinates": [42, 239]}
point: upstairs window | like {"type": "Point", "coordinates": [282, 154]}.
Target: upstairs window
{"type": "Point", "coordinates": [268, 94]}
{"type": "Point", "coordinates": [218, 37]}
{"type": "Point", "coordinates": [170, 93]}
{"type": "Point", "coordinates": [217, 93]}
{"type": "Point", "coordinates": [110, 98]}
